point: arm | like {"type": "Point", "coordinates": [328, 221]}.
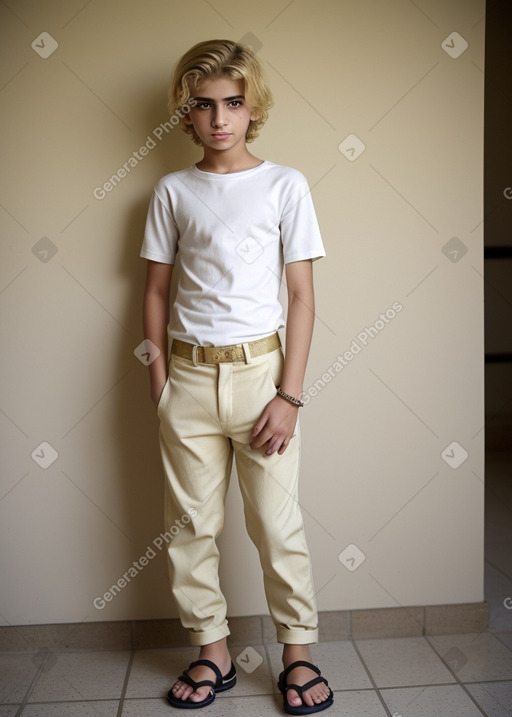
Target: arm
{"type": "Point", "coordinates": [276, 424]}
{"type": "Point", "coordinates": [155, 320]}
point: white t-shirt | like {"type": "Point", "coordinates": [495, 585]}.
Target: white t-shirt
{"type": "Point", "coordinates": [234, 233]}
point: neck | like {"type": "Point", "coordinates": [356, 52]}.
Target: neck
{"type": "Point", "coordinates": [226, 162]}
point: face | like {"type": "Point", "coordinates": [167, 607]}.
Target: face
{"type": "Point", "coordinates": [221, 116]}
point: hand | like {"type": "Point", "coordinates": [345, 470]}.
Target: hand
{"type": "Point", "coordinates": [275, 427]}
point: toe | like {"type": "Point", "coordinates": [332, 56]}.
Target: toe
{"type": "Point", "coordinates": [308, 699]}
{"type": "Point", "coordinates": [177, 688]}
{"type": "Point", "coordinates": [316, 695]}
{"type": "Point", "coordinates": [182, 691]}
{"type": "Point", "coordinates": [200, 695]}
{"type": "Point", "coordinates": [293, 698]}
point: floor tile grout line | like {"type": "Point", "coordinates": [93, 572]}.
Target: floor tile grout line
{"type": "Point", "coordinates": [125, 683]}
{"type": "Point", "coordinates": [457, 680]}
{"type": "Point", "coordinates": [505, 681]}
{"type": "Point", "coordinates": [66, 701]}
{"type": "Point", "coordinates": [370, 677]}
{"type": "Point", "coordinates": [31, 686]}
{"type": "Point", "coordinates": [438, 684]}
{"type": "Point", "coordinates": [509, 647]}
{"type": "Point", "coordinates": [266, 646]}
{"type": "Point", "coordinates": [493, 635]}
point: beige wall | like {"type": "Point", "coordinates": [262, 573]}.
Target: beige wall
{"type": "Point", "coordinates": [375, 432]}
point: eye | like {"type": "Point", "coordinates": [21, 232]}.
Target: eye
{"type": "Point", "coordinates": [203, 105]}
{"type": "Point", "coordinates": [235, 103]}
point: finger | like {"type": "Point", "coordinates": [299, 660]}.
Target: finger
{"type": "Point", "coordinates": [274, 445]}
{"type": "Point", "coordinates": [284, 446]}
{"type": "Point", "coordinates": [264, 436]}
{"type": "Point", "coordinates": [258, 443]}
{"type": "Point", "coordinates": [269, 452]}
{"type": "Point", "coordinates": [259, 425]}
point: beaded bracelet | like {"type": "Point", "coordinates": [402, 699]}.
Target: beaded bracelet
{"type": "Point", "coordinates": [287, 397]}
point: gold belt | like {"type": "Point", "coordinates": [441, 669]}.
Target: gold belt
{"type": "Point", "coordinates": [224, 354]}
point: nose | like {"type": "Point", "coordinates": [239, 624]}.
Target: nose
{"type": "Point", "coordinates": [219, 118]}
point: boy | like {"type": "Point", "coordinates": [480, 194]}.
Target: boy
{"type": "Point", "coordinates": [227, 389]}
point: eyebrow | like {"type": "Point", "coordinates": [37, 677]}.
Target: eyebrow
{"type": "Point", "coordinates": [226, 99]}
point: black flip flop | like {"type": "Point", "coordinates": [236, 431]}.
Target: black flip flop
{"type": "Point", "coordinates": [220, 685]}
{"type": "Point", "coordinates": [303, 709]}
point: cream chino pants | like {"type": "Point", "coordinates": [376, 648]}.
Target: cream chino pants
{"type": "Point", "coordinates": [207, 413]}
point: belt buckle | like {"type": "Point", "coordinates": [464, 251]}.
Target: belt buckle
{"type": "Point", "coordinates": [226, 354]}
{"type": "Point", "coordinates": [213, 354]}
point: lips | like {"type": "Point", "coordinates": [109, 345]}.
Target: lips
{"type": "Point", "coordinates": [221, 135]}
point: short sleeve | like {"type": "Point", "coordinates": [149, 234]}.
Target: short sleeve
{"type": "Point", "coordinates": [161, 233]}
{"type": "Point", "coordinates": [300, 233]}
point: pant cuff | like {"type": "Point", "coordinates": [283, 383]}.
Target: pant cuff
{"type": "Point", "coordinates": [205, 637]}
{"type": "Point", "coordinates": [297, 637]}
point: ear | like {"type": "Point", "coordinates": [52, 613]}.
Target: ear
{"type": "Point", "coordinates": [255, 115]}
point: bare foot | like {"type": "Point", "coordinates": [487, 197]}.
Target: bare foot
{"type": "Point", "coordinates": [216, 652]}
{"type": "Point", "coordinates": [300, 675]}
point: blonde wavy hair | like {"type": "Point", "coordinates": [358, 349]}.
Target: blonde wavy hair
{"type": "Point", "coordinates": [211, 60]}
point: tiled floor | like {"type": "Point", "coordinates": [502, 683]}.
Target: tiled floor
{"type": "Point", "coordinates": [459, 675]}
{"type": "Point", "coordinates": [441, 676]}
